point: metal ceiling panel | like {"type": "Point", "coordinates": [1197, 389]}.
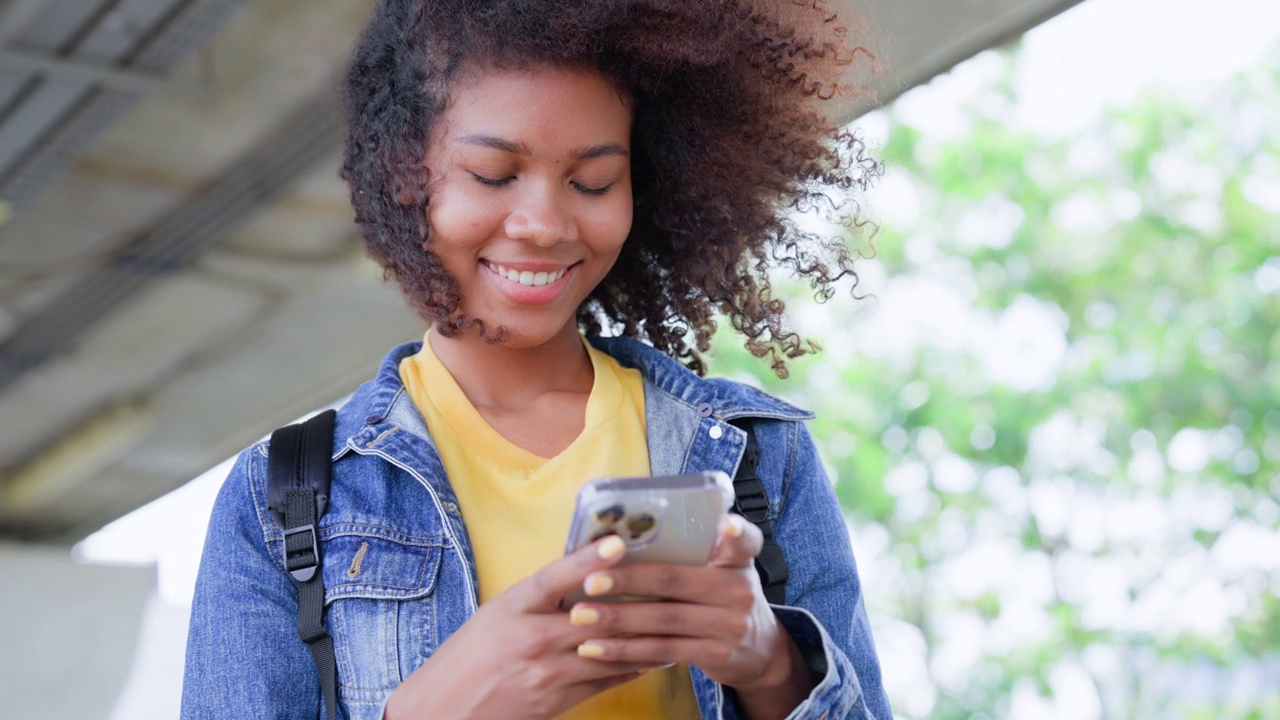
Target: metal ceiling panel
{"type": "Point", "coordinates": [56, 120]}
{"type": "Point", "coordinates": [34, 116]}
{"type": "Point", "coordinates": [123, 30]}
{"type": "Point", "coordinates": [10, 86]}
{"type": "Point", "coordinates": [56, 26]}
{"type": "Point", "coordinates": [48, 31]}
{"type": "Point", "coordinates": [309, 134]}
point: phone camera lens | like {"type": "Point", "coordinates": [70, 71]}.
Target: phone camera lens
{"type": "Point", "coordinates": [610, 515]}
{"type": "Point", "coordinates": [641, 524]}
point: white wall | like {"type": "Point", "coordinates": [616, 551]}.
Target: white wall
{"type": "Point", "coordinates": [68, 632]}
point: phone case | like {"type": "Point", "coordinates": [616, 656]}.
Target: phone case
{"type": "Point", "coordinates": [662, 519]}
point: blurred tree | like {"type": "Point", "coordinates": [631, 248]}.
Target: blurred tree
{"type": "Point", "coordinates": [1055, 421]}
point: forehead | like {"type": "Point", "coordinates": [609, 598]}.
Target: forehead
{"type": "Point", "coordinates": [545, 105]}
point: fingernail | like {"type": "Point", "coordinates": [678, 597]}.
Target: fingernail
{"type": "Point", "coordinates": [584, 615]}
{"type": "Point", "coordinates": [590, 650]}
{"type": "Point", "coordinates": [733, 526]}
{"type": "Point", "coordinates": [611, 547]}
{"type": "Point", "coordinates": [597, 584]}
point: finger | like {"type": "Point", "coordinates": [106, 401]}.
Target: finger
{"type": "Point", "coordinates": [567, 686]}
{"type": "Point", "coordinates": [660, 618]}
{"type": "Point", "coordinates": [550, 643]}
{"type": "Point", "coordinates": [659, 650]}
{"type": "Point", "coordinates": [738, 542]}
{"type": "Point", "coordinates": [543, 590]}
{"type": "Point", "coordinates": [697, 584]}
{"type": "Point", "coordinates": [543, 636]}
{"type": "Point", "coordinates": [578, 692]}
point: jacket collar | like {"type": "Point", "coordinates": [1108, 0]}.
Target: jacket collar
{"type": "Point", "coordinates": [728, 400]}
{"type": "Point", "coordinates": [376, 402]}
{"type": "Point", "coordinates": [368, 413]}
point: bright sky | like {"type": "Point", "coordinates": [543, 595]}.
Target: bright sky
{"type": "Point", "coordinates": [1098, 54]}
{"type": "Point", "coordinates": [1103, 52]}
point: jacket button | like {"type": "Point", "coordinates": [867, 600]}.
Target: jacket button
{"type": "Point", "coordinates": [705, 409]}
{"type": "Point", "coordinates": [373, 420]}
{"type": "Point", "coordinates": [715, 432]}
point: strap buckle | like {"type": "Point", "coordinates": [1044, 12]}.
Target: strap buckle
{"type": "Point", "coordinates": [751, 501]}
{"type": "Point", "coordinates": [302, 561]}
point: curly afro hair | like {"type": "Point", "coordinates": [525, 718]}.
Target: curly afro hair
{"type": "Point", "coordinates": [729, 137]}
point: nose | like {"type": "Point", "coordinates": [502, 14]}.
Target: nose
{"type": "Point", "coordinates": [541, 216]}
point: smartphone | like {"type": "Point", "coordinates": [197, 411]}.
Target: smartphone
{"type": "Point", "coordinates": [669, 519]}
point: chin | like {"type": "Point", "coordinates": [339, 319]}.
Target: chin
{"type": "Point", "coordinates": [523, 335]}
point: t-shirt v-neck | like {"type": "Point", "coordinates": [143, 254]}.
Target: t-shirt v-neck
{"type": "Point", "coordinates": [479, 437]}
{"type": "Point", "coordinates": [517, 505]}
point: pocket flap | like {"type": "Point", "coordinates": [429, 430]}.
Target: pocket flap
{"type": "Point", "coordinates": [362, 561]}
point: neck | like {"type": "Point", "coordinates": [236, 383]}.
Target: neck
{"type": "Point", "coordinates": [511, 377]}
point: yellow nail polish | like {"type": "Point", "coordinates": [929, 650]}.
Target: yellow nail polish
{"type": "Point", "coordinates": [597, 584]}
{"type": "Point", "coordinates": [584, 616]}
{"type": "Point", "coordinates": [733, 526]}
{"type": "Point", "coordinates": [611, 547]}
{"type": "Point", "coordinates": [590, 650]}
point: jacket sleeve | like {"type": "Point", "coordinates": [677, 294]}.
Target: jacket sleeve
{"type": "Point", "coordinates": [825, 614]}
{"type": "Point", "coordinates": [244, 658]}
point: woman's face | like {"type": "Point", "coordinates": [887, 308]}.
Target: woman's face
{"type": "Point", "coordinates": [530, 194]}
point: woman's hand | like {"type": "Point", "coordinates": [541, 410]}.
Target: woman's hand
{"type": "Point", "coordinates": [516, 657]}
{"type": "Point", "coordinates": [716, 618]}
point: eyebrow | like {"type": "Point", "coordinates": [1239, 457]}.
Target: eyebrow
{"type": "Point", "coordinates": [497, 143]}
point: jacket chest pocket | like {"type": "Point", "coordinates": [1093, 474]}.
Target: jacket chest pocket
{"type": "Point", "coordinates": [380, 608]}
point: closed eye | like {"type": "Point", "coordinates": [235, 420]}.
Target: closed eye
{"type": "Point", "coordinates": [490, 181]}
{"type": "Point", "coordinates": [499, 182]}
{"type": "Point", "coordinates": [590, 190]}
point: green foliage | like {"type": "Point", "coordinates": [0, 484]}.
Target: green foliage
{"type": "Point", "coordinates": [1060, 409]}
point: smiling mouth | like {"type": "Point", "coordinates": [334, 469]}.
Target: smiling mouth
{"type": "Point", "coordinates": [525, 277]}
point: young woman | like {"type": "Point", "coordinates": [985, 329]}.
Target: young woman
{"type": "Point", "coordinates": [530, 171]}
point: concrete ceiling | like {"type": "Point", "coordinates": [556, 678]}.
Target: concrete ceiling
{"type": "Point", "coordinates": [179, 272]}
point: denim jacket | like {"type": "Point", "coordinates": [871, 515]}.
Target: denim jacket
{"type": "Point", "coordinates": [400, 577]}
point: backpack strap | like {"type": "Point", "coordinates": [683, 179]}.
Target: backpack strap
{"type": "Point", "coordinates": [751, 502]}
{"type": "Point", "coordinates": [298, 469]}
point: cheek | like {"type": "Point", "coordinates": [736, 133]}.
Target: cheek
{"type": "Point", "coordinates": [612, 222]}
{"type": "Point", "coordinates": [457, 219]}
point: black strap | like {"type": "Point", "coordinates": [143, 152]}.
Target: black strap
{"type": "Point", "coordinates": [298, 464]}
{"type": "Point", "coordinates": [752, 503]}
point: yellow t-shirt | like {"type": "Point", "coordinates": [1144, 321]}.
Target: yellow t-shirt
{"type": "Point", "coordinates": [517, 505]}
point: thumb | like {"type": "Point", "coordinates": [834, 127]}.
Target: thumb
{"type": "Point", "coordinates": [544, 590]}
{"type": "Point", "coordinates": [738, 542]}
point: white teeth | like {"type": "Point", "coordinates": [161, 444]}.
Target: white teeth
{"type": "Point", "coordinates": [526, 277]}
